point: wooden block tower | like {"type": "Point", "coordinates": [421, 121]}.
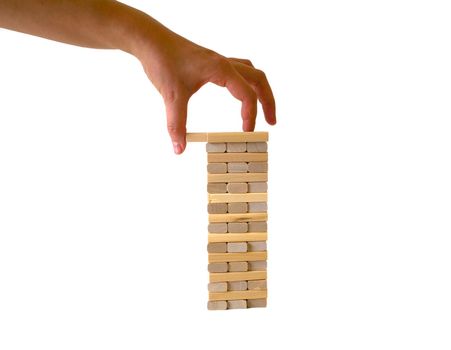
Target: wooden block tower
{"type": "Point", "coordinates": [237, 214]}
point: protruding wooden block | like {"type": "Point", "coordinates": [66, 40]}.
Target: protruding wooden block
{"type": "Point", "coordinates": [257, 207]}
{"type": "Point", "coordinates": [219, 168]}
{"type": "Point", "coordinates": [220, 247]}
{"type": "Point", "coordinates": [218, 227]}
{"type": "Point", "coordinates": [238, 266]}
{"type": "Point", "coordinates": [216, 147]}
{"type": "Point", "coordinates": [258, 187]}
{"type": "Point", "coordinates": [240, 207]}
{"type": "Point", "coordinates": [237, 227]}
{"type": "Point", "coordinates": [258, 246]}
{"type": "Point", "coordinates": [217, 187]}
{"type": "Point", "coordinates": [236, 285]}
{"type": "Point", "coordinates": [217, 287]}
{"type": "Point", "coordinates": [236, 247]}
{"type": "Point", "coordinates": [257, 147]}
{"type": "Point", "coordinates": [218, 267]}
{"type": "Point", "coordinates": [236, 147]}
{"type": "Point", "coordinates": [259, 265]}
{"type": "Point", "coordinates": [237, 304]}
{"type": "Point", "coordinates": [256, 167]}
{"type": "Point", "coordinates": [237, 167]}
{"type": "Point", "coordinates": [256, 303]}
{"type": "Point", "coordinates": [217, 305]}
{"type": "Point", "coordinates": [258, 226]}
{"type": "Point", "coordinates": [217, 208]}
{"type": "Point", "coordinates": [237, 187]}
{"type": "Point", "coordinates": [257, 285]}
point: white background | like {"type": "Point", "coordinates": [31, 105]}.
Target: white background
{"type": "Point", "coordinates": [103, 229]}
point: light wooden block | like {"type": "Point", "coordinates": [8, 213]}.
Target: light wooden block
{"type": "Point", "coordinates": [217, 247]}
{"type": "Point", "coordinates": [236, 247]}
{"type": "Point", "coordinates": [258, 226]}
{"type": "Point", "coordinates": [217, 305]}
{"type": "Point", "coordinates": [217, 168]}
{"type": "Point", "coordinates": [256, 167]}
{"type": "Point", "coordinates": [236, 147]}
{"type": "Point", "coordinates": [237, 304]}
{"type": "Point", "coordinates": [237, 276]}
{"type": "Point", "coordinates": [259, 265]}
{"type": "Point", "coordinates": [257, 207]}
{"type": "Point", "coordinates": [217, 287]}
{"type": "Point", "coordinates": [257, 285]}
{"type": "Point", "coordinates": [238, 266]}
{"type": "Point", "coordinates": [257, 246]}
{"type": "Point", "coordinates": [257, 147]}
{"type": "Point", "coordinates": [237, 227]}
{"type": "Point", "coordinates": [219, 187]}
{"type": "Point", "coordinates": [238, 177]}
{"type": "Point", "coordinates": [252, 136]}
{"type": "Point", "coordinates": [227, 257]}
{"type": "Point", "coordinates": [235, 295]}
{"type": "Point", "coordinates": [237, 167]}
{"type": "Point", "coordinates": [237, 237]}
{"type": "Point", "coordinates": [237, 187]}
{"type": "Point", "coordinates": [256, 303]}
{"type": "Point", "coordinates": [218, 267]}
{"type": "Point", "coordinates": [237, 197]}
{"type": "Point", "coordinates": [257, 187]}
{"type": "Point", "coordinates": [234, 208]}
{"type": "Point", "coordinates": [217, 208]}
{"type": "Point", "coordinates": [240, 217]}
{"type": "Point", "coordinates": [236, 286]}
{"type": "Point", "coordinates": [220, 227]}
{"type": "Point", "coordinates": [216, 147]}
{"type": "Point", "coordinates": [236, 157]}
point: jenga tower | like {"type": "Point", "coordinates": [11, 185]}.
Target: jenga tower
{"type": "Point", "coordinates": [237, 214]}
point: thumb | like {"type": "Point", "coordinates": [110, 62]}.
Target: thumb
{"type": "Point", "coordinates": [176, 113]}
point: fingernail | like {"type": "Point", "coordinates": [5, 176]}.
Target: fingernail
{"type": "Point", "coordinates": [177, 148]}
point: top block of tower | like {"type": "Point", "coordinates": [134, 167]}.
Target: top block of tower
{"type": "Point", "coordinates": [216, 137]}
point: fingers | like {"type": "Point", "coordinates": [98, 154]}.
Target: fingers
{"type": "Point", "coordinates": [242, 60]}
{"type": "Point", "coordinates": [176, 113]}
{"type": "Point", "coordinates": [257, 79]}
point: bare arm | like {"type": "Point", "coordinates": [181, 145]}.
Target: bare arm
{"type": "Point", "coordinates": [176, 66]}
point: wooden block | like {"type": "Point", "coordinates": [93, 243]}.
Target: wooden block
{"type": "Point", "coordinates": [237, 276]}
{"type": "Point", "coordinates": [236, 157]}
{"type": "Point", "coordinates": [237, 227]}
{"type": "Point", "coordinates": [257, 187]}
{"type": "Point", "coordinates": [237, 197]}
{"type": "Point", "coordinates": [236, 285]}
{"type": "Point", "coordinates": [236, 237]}
{"type": "Point", "coordinates": [236, 147]}
{"type": "Point", "coordinates": [235, 208]}
{"type": "Point", "coordinates": [216, 168]}
{"type": "Point", "coordinates": [237, 304]}
{"type": "Point", "coordinates": [237, 167]}
{"type": "Point", "coordinates": [217, 147]}
{"type": "Point", "coordinates": [253, 136]}
{"type": "Point", "coordinates": [260, 265]}
{"type": "Point", "coordinates": [238, 266]}
{"type": "Point", "coordinates": [219, 247]}
{"type": "Point", "coordinates": [217, 305]}
{"type": "Point", "coordinates": [197, 137]}
{"type": "Point", "coordinates": [237, 187]}
{"type": "Point", "coordinates": [256, 303]}
{"type": "Point", "coordinates": [257, 207]}
{"type": "Point", "coordinates": [218, 267]}
{"type": "Point", "coordinates": [256, 167]}
{"type": "Point", "coordinates": [217, 227]}
{"type": "Point", "coordinates": [219, 187]}
{"type": "Point", "coordinates": [236, 247]}
{"type": "Point", "coordinates": [240, 217]}
{"type": "Point", "coordinates": [235, 295]}
{"type": "Point", "coordinates": [217, 287]}
{"type": "Point", "coordinates": [257, 147]}
{"type": "Point", "coordinates": [238, 177]}
{"type": "Point", "coordinates": [257, 285]}
{"type": "Point", "coordinates": [217, 208]}
{"type": "Point", "coordinates": [227, 257]}
{"type": "Point", "coordinates": [257, 246]}
{"type": "Point", "coordinates": [258, 226]}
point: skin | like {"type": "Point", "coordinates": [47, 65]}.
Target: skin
{"type": "Point", "coordinates": [176, 66]}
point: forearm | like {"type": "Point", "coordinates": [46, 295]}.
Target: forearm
{"type": "Point", "coordinates": [101, 24]}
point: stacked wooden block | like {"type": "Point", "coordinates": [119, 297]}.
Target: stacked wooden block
{"type": "Point", "coordinates": [237, 231]}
